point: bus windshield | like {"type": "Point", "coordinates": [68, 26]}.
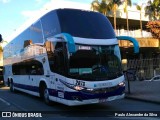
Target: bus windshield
{"type": "Point", "coordinates": [85, 24]}
{"type": "Point", "coordinates": [95, 62]}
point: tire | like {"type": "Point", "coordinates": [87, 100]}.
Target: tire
{"type": "Point", "coordinates": [46, 96]}
{"type": "Point", "coordinates": [12, 89]}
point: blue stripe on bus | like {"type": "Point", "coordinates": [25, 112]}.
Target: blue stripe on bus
{"type": "Point", "coordinates": [27, 87]}
{"type": "Point", "coordinates": [71, 95]}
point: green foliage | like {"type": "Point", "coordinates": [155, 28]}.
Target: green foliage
{"type": "Point", "coordinates": [126, 4]}
{"type": "Point", "coordinates": [153, 9]}
{"type": "Point", "coordinates": [139, 7]}
{"type": "Point", "coordinates": [105, 6]}
{"type": "Point", "coordinates": [100, 6]}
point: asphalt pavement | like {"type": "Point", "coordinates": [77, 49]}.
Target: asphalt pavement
{"type": "Point", "coordinates": [148, 91]}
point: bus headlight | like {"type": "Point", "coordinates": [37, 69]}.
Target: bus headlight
{"type": "Point", "coordinates": [122, 84]}
{"type": "Point", "coordinates": [78, 88]}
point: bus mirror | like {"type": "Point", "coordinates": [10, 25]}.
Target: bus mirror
{"type": "Point", "coordinates": [70, 42]}
{"type": "Point", "coordinates": [27, 43]}
{"type": "Point", "coordinates": [131, 39]}
{"type": "Point", "coordinates": [1, 38]}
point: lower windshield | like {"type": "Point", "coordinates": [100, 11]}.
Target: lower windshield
{"type": "Point", "coordinates": [95, 63]}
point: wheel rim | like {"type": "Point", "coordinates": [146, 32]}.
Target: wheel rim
{"type": "Point", "coordinates": [46, 95]}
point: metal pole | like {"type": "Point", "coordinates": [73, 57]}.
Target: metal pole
{"type": "Point", "coordinates": [129, 91]}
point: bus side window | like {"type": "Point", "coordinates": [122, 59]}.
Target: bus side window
{"type": "Point", "coordinates": [36, 68]}
{"type": "Point", "coordinates": [29, 67]}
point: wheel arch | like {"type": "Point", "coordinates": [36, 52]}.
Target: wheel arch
{"type": "Point", "coordinates": [42, 85]}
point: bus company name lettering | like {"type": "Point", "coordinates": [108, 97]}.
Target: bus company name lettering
{"type": "Point", "coordinates": [107, 84]}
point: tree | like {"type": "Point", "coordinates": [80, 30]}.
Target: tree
{"type": "Point", "coordinates": [126, 4]}
{"type": "Point", "coordinates": [105, 6]}
{"type": "Point", "coordinates": [154, 28]}
{"type": "Point", "coordinates": [100, 6]}
{"type": "Point", "coordinates": [153, 9]}
{"type": "Point", "coordinates": [113, 6]}
{"type": "Point", "coordinates": [139, 7]}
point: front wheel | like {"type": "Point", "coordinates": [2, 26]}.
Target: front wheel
{"type": "Point", "coordinates": [46, 96]}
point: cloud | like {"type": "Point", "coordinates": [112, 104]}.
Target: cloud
{"type": "Point", "coordinates": [32, 16]}
{"type": "Point", "coordinates": [52, 4]}
{"type": "Point", "coordinates": [5, 1]}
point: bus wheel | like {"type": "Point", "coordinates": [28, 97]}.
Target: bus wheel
{"type": "Point", "coordinates": [12, 89]}
{"type": "Point", "coordinates": [46, 96]}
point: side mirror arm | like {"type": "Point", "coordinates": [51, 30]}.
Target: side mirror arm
{"type": "Point", "coordinates": [131, 39]}
{"type": "Point", "coordinates": [70, 41]}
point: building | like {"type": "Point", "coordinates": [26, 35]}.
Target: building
{"type": "Point", "coordinates": [147, 62]}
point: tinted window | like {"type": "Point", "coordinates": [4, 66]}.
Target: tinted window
{"type": "Point", "coordinates": [36, 33]}
{"type": "Point", "coordinates": [17, 44]}
{"type": "Point", "coordinates": [59, 58]}
{"type": "Point", "coordinates": [50, 24]}
{"type": "Point", "coordinates": [29, 67]}
{"type": "Point", "coordinates": [85, 24]}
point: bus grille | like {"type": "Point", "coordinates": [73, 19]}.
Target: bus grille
{"type": "Point", "coordinates": [105, 90]}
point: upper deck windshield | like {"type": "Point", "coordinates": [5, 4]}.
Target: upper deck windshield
{"type": "Point", "coordinates": [95, 63]}
{"type": "Point", "coordinates": [85, 24]}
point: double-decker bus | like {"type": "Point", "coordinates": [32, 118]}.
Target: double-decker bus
{"type": "Point", "coordinates": [69, 56]}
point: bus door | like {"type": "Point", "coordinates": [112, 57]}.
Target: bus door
{"type": "Point", "coordinates": [60, 69]}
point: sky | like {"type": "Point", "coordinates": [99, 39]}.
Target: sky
{"type": "Point", "coordinates": [16, 15]}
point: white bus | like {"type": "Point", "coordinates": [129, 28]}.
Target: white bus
{"type": "Point", "coordinates": [69, 56]}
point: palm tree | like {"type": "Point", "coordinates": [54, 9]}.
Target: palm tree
{"type": "Point", "coordinates": [153, 9]}
{"type": "Point", "coordinates": [126, 4]}
{"type": "Point", "coordinates": [139, 7]}
{"type": "Point", "coordinates": [95, 5]}
{"type": "Point", "coordinates": [105, 6]}
{"type": "Point", "coordinates": [100, 6]}
{"type": "Point", "coordinates": [113, 6]}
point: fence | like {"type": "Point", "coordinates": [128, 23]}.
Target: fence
{"type": "Point", "coordinates": [144, 68]}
